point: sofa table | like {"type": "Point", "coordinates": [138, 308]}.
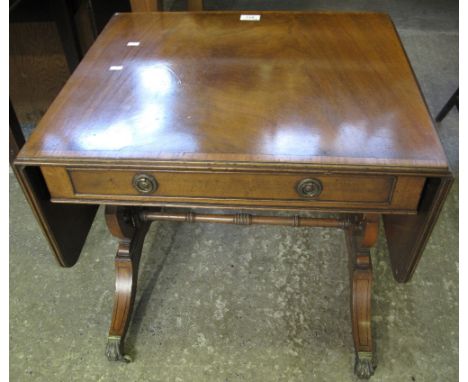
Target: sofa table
{"type": "Point", "coordinates": [171, 116]}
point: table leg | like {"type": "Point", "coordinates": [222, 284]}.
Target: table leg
{"type": "Point", "coordinates": [125, 224]}
{"type": "Point", "coordinates": [360, 236]}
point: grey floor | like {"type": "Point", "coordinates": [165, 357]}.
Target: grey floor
{"type": "Point", "coordinates": [222, 303]}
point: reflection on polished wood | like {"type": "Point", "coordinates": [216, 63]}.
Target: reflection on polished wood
{"type": "Point", "coordinates": [313, 88]}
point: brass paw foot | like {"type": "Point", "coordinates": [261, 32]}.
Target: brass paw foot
{"type": "Point", "coordinates": [114, 350]}
{"type": "Point", "coordinates": [364, 365]}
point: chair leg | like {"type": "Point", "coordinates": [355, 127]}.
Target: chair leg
{"type": "Point", "coordinates": [194, 5]}
{"type": "Point", "coordinates": [453, 101]}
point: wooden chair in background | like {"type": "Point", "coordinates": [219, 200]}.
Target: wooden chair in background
{"type": "Point", "coordinates": [156, 5]}
{"type": "Point", "coordinates": [453, 101]}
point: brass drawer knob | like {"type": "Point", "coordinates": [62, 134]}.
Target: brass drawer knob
{"type": "Point", "coordinates": [309, 188]}
{"type": "Point", "coordinates": [145, 183]}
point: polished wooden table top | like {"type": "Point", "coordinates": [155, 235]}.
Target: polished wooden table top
{"type": "Point", "coordinates": [318, 88]}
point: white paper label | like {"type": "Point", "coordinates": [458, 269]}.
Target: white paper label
{"type": "Point", "coordinates": [250, 17]}
{"type": "Point", "coordinates": [133, 43]}
{"type": "Point", "coordinates": [116, 67]}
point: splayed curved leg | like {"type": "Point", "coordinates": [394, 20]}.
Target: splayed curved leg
{"type": "Point", "coordinates": [125, 224]}
{"type": "Point", "coordinates": [361, 235]}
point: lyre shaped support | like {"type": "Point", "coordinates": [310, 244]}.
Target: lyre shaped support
{"type": "Point", "coordinates": [361, 235]}
{"type": "Point", "coordinates": [125, 224]}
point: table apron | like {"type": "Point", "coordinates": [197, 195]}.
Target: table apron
{"type": "Point", "coordinates": [347, 192]}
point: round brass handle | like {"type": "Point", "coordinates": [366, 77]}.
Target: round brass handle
{"type": "Point", "coordinates": [145, 183]}
{"type": "Point", "coordinates": [309, 188]}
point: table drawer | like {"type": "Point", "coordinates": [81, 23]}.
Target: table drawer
{"type": "Point", "coordinates": [243, 188]}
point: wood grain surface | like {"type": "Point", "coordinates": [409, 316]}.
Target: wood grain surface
{"type": "Point", "coordinates": [345, 191]}
{"type": "Point", "coordinates": [323, 88]}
